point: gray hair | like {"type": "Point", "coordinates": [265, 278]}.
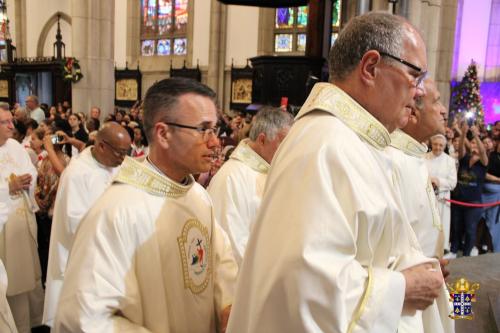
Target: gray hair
{"type": "Point", "coordinates": [34, 98]}
{"type": "Point", "coordinates": [269, 120]}
{"type": "Point", "coordinates": [5, 106]}
{"type": "Point", "coordinates": [379, 31]}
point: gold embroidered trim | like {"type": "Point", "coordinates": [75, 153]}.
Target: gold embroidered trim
{"type": "Point", "coordinates": [436, 220]}
{"type": "Point", "coordinates": [402, 141]}
{"type": "Point", "coordinates": [182, 240]}
{"type": "Point", "coordinates": [139, 175]}
{"type": "Point", "coordinates": [364, 300]}
{"type": "Point", "coordinates": [250, 158]}
{"type": "Point", "coordinates": [327, 97]}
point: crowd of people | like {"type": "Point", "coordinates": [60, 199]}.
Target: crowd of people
{"type": "Point", "coordinates": [117, 232]}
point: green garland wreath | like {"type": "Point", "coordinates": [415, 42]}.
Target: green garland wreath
{"type": "Point", "coordinates": [72, 70]}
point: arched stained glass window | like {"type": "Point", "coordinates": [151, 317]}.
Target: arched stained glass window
{"type": "Point", "coordinates": [290, 29]}
{"type": "Point", "coordinates": [164, 25]}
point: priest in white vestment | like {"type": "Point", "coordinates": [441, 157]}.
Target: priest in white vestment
{"type": "Point", "coordinates": [81, 184]}
{"type": "Point", "coordinates": [443, 172]}
{"type": "Point", "coordinates": [7, 323]}
{"type": "Point", "coordinates": [331, 249]}
{"type": "Point", "coordinates": [149, 256]}
{"type": "Point", "coordinates": [18, 235]}
{"type": "Point", "coordinates": [414, 184]}
{"type": "Point", "coordinates": [236, 189]}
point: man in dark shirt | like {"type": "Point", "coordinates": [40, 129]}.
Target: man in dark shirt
{"type": "Point", "coordinates": [491, 193]}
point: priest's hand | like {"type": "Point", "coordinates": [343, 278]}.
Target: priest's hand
{"type": "Point", "coordinates": [423, 286]}
{"type": "Point", "coordinates": [19, 183]}
{"type": "Point", "coordinates": [443, 263]}
{"type": "Point", "coordinates": [224, 318]}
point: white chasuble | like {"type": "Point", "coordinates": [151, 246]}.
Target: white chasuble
{"type": "Point", "coordinates": [443, 168]}
{"type": "Point", "coordinates": [18, 237]}
{"type": "Point", "coordinates": [148, 257]}
{"type": "Point", "coordinates": [417, 194]}
{"type": "Point", "coordinates": [330, 237]}
{"type": "Point", "coordinates": [236, 191]}
{"type": "Point", "coordinates": [81, 184]}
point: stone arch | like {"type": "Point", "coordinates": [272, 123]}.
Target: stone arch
{"type": "Point", "coordinates": [46, 28]}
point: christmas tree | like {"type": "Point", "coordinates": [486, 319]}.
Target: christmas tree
{"type": "Point", "coordinates": [465, 97]}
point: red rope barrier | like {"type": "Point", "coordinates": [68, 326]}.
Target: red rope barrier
{"type": "Point", "coordinates": [468, 204]}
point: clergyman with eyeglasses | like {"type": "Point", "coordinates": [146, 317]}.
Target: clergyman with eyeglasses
{"type": "Point", "coordinates": [149, 256]}
{"type": "Point", "coordinates": [331, 249]}
{"type": "Point", "coordinates": [81, 184]}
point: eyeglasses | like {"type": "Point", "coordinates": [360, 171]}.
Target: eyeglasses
{"type": "Point", "coordinates": [205, 132]}
{"type": "Point", "coordinates": [418, 80]}
{"type": "Point", "coordinates": [117, 152]}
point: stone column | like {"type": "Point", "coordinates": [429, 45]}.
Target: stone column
{"type": "Point", "coordinates": [133, 32]}
{"type": "Point", "coordinates": [20, 27]}
{"type": "Point", "coordinates": [217, 48]}
{"type": "Point", "coordinates": [93, 46]}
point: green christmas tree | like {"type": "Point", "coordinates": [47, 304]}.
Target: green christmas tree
{"type": "Point", "coordinates": [466, 98]}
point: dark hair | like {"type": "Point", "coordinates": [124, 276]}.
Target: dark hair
{"type": "Point", "coordinates": [162, 97]}
{"type": "Point", "coordinates": [20, 128]}
{"type": "Point", "coordinates": [373, 31]}
{"type": "Point", "coordinates": [31, 123]}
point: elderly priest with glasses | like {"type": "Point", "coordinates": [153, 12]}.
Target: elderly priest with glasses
{"type": "Point", "coordinates": [149, 256]}
{"type": "Point", "coordinates": [332, 249]}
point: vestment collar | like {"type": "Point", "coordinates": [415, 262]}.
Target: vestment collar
{"type": "Point", "coordinates": [402, 141]}
{"type": "Point", "coordinates": [249, 157]}
{"type": "Point", "coordinates": [330, 98]}
{"type": "Point", "coordinates": [142, 176]}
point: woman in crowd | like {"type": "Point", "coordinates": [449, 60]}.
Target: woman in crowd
{"type": "Point", "coordinates": [37, 145]}
{"type": "Point", "coordinates": [471, 175]}
{"type": "Point", "coordinates": [139, 144]}
{"type": "Point", "coordinates": [443, 173]}
{"type": "Point", "coordinates": [77, 128]}
{"type": "Point", "coordinates": [491, 193]}
{"type": "Point", "coordinates": [49, 171]}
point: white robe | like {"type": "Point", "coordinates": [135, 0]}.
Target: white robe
{"type": "Point", "coordinates": [81, 184]}
{"type": "Point", "coordinates": [330, 236]}
{"type": "Point", "coordinates": [148, 257]}
{"type": "Point", "coordinates": [417, 194]}
{"type": "Point", "coordinates": [7, 323]}
{"type": "Point", "coordinates": [443, 167]}
{"type": "Point", "coordinates": [18, 238]}
{"type": "Point", "coordinates": [236, 191]}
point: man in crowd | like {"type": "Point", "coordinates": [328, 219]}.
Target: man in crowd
{"type": "Point", "coordinates": [81, 184]}
{"type": "Point", "coordinates": [237, 188]}
{"type": "Point", "coordinates": [149, 256]}
{"type": "Point", "coordinates": [331, 249]}
{"type": "Point", "coordinates": [95, 114]}
{"type": "Point", "coordinates": [417, 193]}
{"type": "Point", "coordinates": [18, 249]}
{"type": "Point", "coordinates": [34, 110]}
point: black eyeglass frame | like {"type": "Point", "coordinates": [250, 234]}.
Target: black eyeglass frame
{"type": "Point", "coordinates": [116, 151]}
{"type": "Point", "coordinates": [202, 130]}
{"type": "Point", "coordinates": [422, 74]}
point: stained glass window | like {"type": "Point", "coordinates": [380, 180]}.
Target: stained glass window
{"type": "Point", "coordinates": [283, 43]}
{"type": "Point", "coordinates": [163, 47]}
{"type": "Point", "coordinates": [181, 14]}
{"type": "Point", "coordinates": [336, 9]}
{"type": "Point", "coordinates": [163, 30]}
{"type": "Point", "coordinates": [164, 16]}
{"type": "Point", "coordinates": [148, 47]}
{"type": "Point", "coordinates": [284, 18]}
{"type": "Point", "coordinates": [302, 16]}
{"type": "Point", "coordinates": [334, 38]}
{"type": "Point", "coordinates": [301, 42]}
{"type": "Point", "coordinates": [180, 46]}
{"type": "Point", "coordinates": [290, 29]}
